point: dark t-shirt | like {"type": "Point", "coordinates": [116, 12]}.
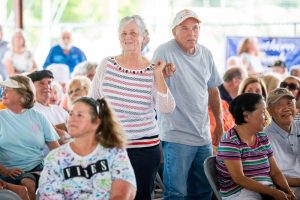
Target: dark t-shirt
{"type": "Point", "coordinates": [224, 94]}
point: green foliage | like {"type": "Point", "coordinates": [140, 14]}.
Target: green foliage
{"type": "Point", "coordinates": [84, 11]}
{"type": "Point", "coordinates": [128, 7]}
{"type": "Point", "coordinates": [35, 10]}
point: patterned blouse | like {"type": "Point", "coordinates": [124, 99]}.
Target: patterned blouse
{"type": "Point", "coordinates": [67, 175]}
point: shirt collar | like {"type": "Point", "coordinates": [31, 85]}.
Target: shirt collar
{"type": "Point", "coordinates": [281, 131]}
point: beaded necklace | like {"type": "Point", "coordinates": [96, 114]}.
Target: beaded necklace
{"type": "Point", "coordinates": [133, 71]}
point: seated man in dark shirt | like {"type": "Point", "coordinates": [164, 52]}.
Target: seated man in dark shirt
{"type": "Point", "coordinates": [232, 79]}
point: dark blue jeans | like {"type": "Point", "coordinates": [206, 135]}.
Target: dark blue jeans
{"type": "Point", "coordinates": [145, 163]}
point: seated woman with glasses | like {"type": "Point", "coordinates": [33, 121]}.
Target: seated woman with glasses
{"type": "Point", "coordinates": [77, 87]}
{"type": "Point", "coordinates": [95, 165]}
{"type": "Point", "coordinates": [245, 163]}
{"type": "Point", "coordinates": [292, 83]}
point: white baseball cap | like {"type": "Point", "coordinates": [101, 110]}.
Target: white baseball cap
{"type": "Point", "coordinates": [183, 15]}
{"type": "Point", "coordinates": [10, 83]}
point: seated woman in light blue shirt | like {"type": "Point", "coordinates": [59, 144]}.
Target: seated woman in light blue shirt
{"type": "Point", "coordinates": [23, 134]}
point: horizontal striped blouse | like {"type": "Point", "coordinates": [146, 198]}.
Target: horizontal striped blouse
{"type": "Point", "coordinates": [255, 161]}
{"type": "Point", "coordinates": [133, 97]}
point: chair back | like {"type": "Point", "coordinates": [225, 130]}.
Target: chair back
{"type": "Point", "coordinates": [211, 174]}
{"type": "Point", "coordinates": [9, 195]}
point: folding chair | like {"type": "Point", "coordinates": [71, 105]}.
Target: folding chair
{"type": "Point", "coordinates": [9, 195]}
{"type": "Point", "coordinates": [211, 174]}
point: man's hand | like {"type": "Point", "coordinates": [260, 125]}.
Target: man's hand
{"type": "Point", "coordinates": [169, 70]}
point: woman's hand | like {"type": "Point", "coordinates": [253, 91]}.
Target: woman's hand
{"type": "Point", "coordinates": [12, 173]}
{"type": "Point", "coordinates": [291, 195]}
{"type": "Point", "coordinates": [3, 185]}
{"type": "Point", "coordinates": [168, 69]}
{"type": "Point", "coordinates": [280, 195]}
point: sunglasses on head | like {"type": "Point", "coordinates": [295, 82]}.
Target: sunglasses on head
{"type": "Point", "coordinates": [289, 86]}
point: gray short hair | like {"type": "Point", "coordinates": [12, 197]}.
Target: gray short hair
{"type": "Point", "coordinates": [138, 20]}
{"type": "Point", "coordinates": [84, 68]}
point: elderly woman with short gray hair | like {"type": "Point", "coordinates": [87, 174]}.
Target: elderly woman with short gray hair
{"type": "Point", "coordinates": [135, 87]}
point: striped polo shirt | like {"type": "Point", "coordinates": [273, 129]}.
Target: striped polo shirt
{"type": "Point", "coordinates": [130, 92]}
{"type": "Point", "coordinates": [254, 160]}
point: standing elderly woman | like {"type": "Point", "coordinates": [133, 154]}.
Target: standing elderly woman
{"type": "Point", "coordinates": [245, 163]}
{"type": "Point", "coordinates": [19, 59]}
{"type": "Point", "coordinates": [135, 87]}
{"type": "Point", "coordinates": [95, 165]}
{"type": "Point", "coordinates": [23, 134]}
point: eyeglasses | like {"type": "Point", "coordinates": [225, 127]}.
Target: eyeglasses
{"type": "Point", "coordinates": [289, 86]}
{"type": "Point", "coordinates": [77, 90]}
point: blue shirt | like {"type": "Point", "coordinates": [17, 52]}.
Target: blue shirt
{"type": "Point", "coordinates": [56, 55]}
{"type": "Point", "coordinates": [22, 138]}
{"type": "Point", "coordinates": [189, 123]}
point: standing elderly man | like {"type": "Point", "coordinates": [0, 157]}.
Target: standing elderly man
{"type": "Point", "coordinates": [3, 49]}
{"type": "Point", "coordinates": [185, 134]}
{"type": "Point", "coordinates": [65, 53]}
{"type": "Point", "coordinates": [284, 134]}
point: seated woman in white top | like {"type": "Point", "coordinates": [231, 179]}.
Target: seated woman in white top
{"type": "Point", "coordinates": [95, 165]}
{"type": "Point", "coordinates": [19, 59]}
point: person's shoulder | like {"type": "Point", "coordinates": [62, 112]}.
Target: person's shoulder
{"type": "Point", "coordinates": [8, 53]}
{"type": "Point", "coordinates": [203, 49]}
{"type": "Point", "coordinates": [36, 113]}
{"type": "Point", "coordinates": [167, 45]}
{"type": "Point", "coordinates": [106, 60]}
{"type": "Point", "coordinates": [296, 123]}
{"type": "Point", "coordinates": [3, 112]}
{"type": "Point", "coordinates": [262, 134]}
{"type": "Point", "coordinates": [271, 129]}
{"type": "Point", "coordinates": [4, 43]}
{"type": "Point", "coordinates": [59, 152]}
{"type": "Point", "coordinates": [113, 150]}
{"type": "Point", "coordinates": [76, 49]}
{"type": "Point", "coordinates": [57, 46]}
{"type": "Point", "coordinates": [57, 108]}
{"type": "Point", "coordinates": [230, 137]}
{"type": "Point", "coordinates": [55, 49]}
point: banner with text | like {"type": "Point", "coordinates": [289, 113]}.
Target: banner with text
{"type": "Point", "coordinates": [271, 49]}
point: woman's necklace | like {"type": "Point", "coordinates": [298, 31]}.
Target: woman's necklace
{"type": "Point", "coordinates": [132, 71]}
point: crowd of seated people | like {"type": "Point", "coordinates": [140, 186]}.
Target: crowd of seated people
{"type": "Point", "coordinates": [260, 111]}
